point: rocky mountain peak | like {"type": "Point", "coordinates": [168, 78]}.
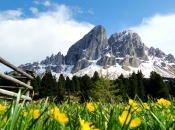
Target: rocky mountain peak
{"type": "Point", "coordinates": [170, 58]}
{"type": "Point", "coordinates": [124, 52]}
{"type": "Point", "coordinates": [53, 59]}
{"type": "Point", "coordinates": [90, 47]}
{"type": "Point", "coordinates": [156, 52]}
{"type": "Point", "coordinates": [127, 43]}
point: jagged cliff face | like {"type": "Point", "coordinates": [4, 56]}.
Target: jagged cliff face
{"type": "Point", "coordinates": [123, 52]}
{"type": "Point", "coordinates": [90, 47]}
{"type": "Point", "coordinates": [127, 43]}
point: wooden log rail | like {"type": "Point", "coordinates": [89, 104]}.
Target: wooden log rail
{"type": "Point", "coordinates": [9, 93]}
{"type": "Point", "coordinates": [15, 68]}
{"type": "Point", "coordinates": [13, 94]}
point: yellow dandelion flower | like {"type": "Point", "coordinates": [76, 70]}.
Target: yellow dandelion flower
{"type": "Point", "coordinates": [34, 101]}
{"type": "Point", "coordinates": [36, 113]}
{"type": "Point", "coordinates": [62, 118]}
{"type": "Point", "coordinates": [132, 103]}
{"type": "Point", "coordinates": [108, 116]}
{"type": "Point", "coordinates": [90, 106]}
{"type": "Point", "coordinates": [56, 114]}
{"type": "Point", "coordinates": [70, 114]}
{"type": "Point", "coordinates": [106, 109]}
{"type": "Point", "coordinates": [24, 113]}
{"type": "Point", "coordinates": [31, 111]}
{"type": "Point", "coordinates": [4, 120]}
{"type": "Point", "coordinates": [146, 106]}
{"type": "Point", "coordinates": [54, 110]}
{"type": "Point", "coordinates": [127, 108]}
{"type": "Point", "coordinates": [2, 108]}
{"type": "Point", "coordinates": [85, 125]}
{"type": "Point", "coordinates": [163, 102]}
{"type": "Point", "coordinates": [106, 124]}
{"type": "Point", "coordinates": [138, 109]}
{"type": "Point", "coordinates": [135, 122]}
{"type": "Point", "coordinates": [168, 111]}
{"type": "Point", "coordinates": [51, 111]}
{"type": "Point", "coordinates": [125, 117]}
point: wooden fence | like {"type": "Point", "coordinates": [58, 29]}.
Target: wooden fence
{"type": "Point", "coordinates": [15, 80]}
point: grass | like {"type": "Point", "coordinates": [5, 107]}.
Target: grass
{"type": "Point", "coordinates": [40, 115]}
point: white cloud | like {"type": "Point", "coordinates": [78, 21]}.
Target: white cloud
{"type": "Point", "coordinates": [47, 3]}
{"type": "Point", "coordinates": [77, 9]}
{"type": "Point", "coordinates": [11, 14]}
{"type": "Point", "coordinates": [25, 40]}
{"type": "Point", "coordinates": [158, 31]}
{"type": "Point", "coordinates": [34, 10]}
{"type": "Point", "coordinates": [36, 2]}
{"type": "Point", "coordinates": [91, 11]}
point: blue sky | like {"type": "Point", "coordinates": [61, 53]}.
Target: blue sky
{"type": "Point", "coordinates": [30, 30]}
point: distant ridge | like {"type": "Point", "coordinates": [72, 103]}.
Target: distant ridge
{"type": "Point", "coordinates": [123, 52]}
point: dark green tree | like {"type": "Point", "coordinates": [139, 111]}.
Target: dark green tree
{"type": "Point", "coordinates": [36, 84]}
{"type": "Point", "coordinates": [95, 77]}
{"type": "Point", "coordinates": [141, 87]}
{"type": "Point", "coordinates": [157, 88]}
{"type": "Point", "coordinates": [103, 91]}
{"type": "Point", "coordinates": [133, 85]}
{"type": "Point", "coordinates": [48, 85]}
{"type": "Point", "coordinates": [77, 83]}
{"type": "Point", "coordinates": [86, 84]}
{"type": "Point", "coordinates": [121, 87]}
{"type": "Point", "coordinates": [67, 87]}
{"type": "Point", "coordinates": [61, 88]}
{"type": "Point", "coordinates": [171, 88]}
{"type": "Point", "coordinates": [72, 86]}
{"type": "Point", "coordinates": [62, 81]}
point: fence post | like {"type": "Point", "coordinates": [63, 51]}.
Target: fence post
{"type": "Point", "coordinates": [28, 91]}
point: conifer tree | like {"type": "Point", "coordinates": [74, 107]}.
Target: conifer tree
{"type": "Point", "coordinates": [77, 83]}
{"type": "Point", "coordinates": [36, 83]}
{"type": "Point", "coordinates": [172, 88]}
{"type": "Point", "coordinates": [122, 88]}
{"type": "Point", "coordinates": [62, 80]}
{"type": "Point", "coordinates": [67, 87]}
{"type": "Point", "coordinates": [141, 88]}
{"type": "Point", "coordinates": [72, 86]}
{"type": "Point", "coordinates": [48, 85]}
{"type": "Point", "coordinates": [157, 87]}
{"type": "Point", "coordinates": [104, 90]}
{"type": "Point", "coordinates": [133, 85]}
{"type": "Point", "coordinates": [86, 85]}
{"type": "Point", "coordinates": [61, 88]}
{"type": "Point", "coordinates": [95, 76]}
{"type": "Point", "coordinates": [127, 86]}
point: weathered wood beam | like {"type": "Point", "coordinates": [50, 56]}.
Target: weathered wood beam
{"type": "Point", "coordinates": [15, 68]}
{"type": "Point", "coordinates": [19, 77]}
{"type": "Point", "coordinates": [15, 81]}
{"type": "Point", "coordinates": [28, 92]}
{"type": "Point", "coordinates": [13, 87]}
{"type": "Point", "coordinates": [9, 93]}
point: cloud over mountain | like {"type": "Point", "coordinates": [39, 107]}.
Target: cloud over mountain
{"type": "Point", "coordinates": [27, 39]}
{"type": "Point", "coordinates": [158, 31]}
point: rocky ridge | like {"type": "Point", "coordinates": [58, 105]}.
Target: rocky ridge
{"type": "Point", "coordinates": [123, 52]}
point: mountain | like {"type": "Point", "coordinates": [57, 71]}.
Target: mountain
{"type": "Point", "coordinates": [123, 52]}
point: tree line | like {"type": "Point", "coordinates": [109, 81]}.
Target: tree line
{"type": "Point", "coordinates": [101, 88]}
